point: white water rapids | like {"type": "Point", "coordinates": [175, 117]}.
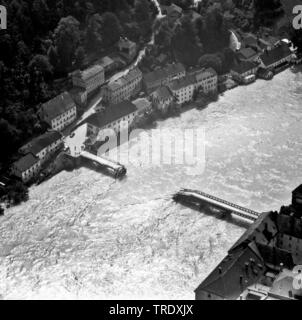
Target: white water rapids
{"type": "Point", "coordinates": [83, 235]}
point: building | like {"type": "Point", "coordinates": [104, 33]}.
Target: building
{"type": "Point", "coordinates": [183, 89]}
{"type": "Point", "coordinates": [123, 88]}
{"type": "Point", "coordinates": [247, 54]}
{"type": "Point", "coordinates": [112, 118]}
{"type": "Point", "coordinates": [173, 12]}
{"type": "Point", "coordinates": [127, 48]}
{"type": "Point", "coordinates": [265, 263]}
{"type": "Point", "coordinates": [206, 80]}
{"type": "Point", "coordinates": [143, 105]}
{"type": "Point", "coordinates": [26, 168]}
{"type": "Point", "coordinates": [268, 42]}
{"type": "Point", "coordinates": [162, 98]}
{"type": "Point", "coordinates": [163, 76]}
{"type": "Point", "coordinates": [59, 112]}
{"type": "Point", "coordinates": [44, 146]}
{"type": "Point", "coordinates": [79, 95]}
{"type": "Point", "coordinates": [276, 58]}
{"type": "Point", "coordinates": [244, 72]}
{"type": "Point", "coordinates": [90, 79]}
{"type": "Point", "coordinates": [108, 64]}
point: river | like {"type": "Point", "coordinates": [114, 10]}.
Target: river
{"type": "Point", "coordinates": [83, 235]}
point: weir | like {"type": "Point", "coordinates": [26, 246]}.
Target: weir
{"type": "Point", "coordinates": [202, 199]}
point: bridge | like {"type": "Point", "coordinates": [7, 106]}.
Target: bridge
{"type": "Point", "coordinates": [118, 169]}
{"type": "Point", "coordinates": [202, 199]}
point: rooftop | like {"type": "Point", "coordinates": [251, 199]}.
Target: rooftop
{"type": "Point", "coordinates": [161, 74]}
{"type": "Point", "coordinates": [163, 93]}
{"type": "Point", "coordinates": [205, 73]}
{"type": "Point", "coordinates": [26, 162]}
{"type": "Point", "coordinates": [142, 103]}
{"type": "Point", "coordinates": [106, 61]}
{"type": "Point", "coordinates": [130, 76]}
{"type": "Point", "coordinates": [276, 54]}
{"type": "Point", "coordinates": [113, 113]}
{"type": "Point", "coordinates": [58, 105]}
{"type": "Point", "coordinates": [126, 43]}
{"type": "Point", "coordinates": [243, 66]}
{"type": "Point", "coordinates": [40, 143]}
{"type": "Point", "coordinates": [247, 53]}
{"type": "Point", "coordinates": [182, 83]}
{"type": "Point", "coordinates": [90, 72]}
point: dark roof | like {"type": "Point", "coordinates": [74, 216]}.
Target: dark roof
{"type": "Point", "coordinates": [90, 72]}
{"type": "Point", "coordinates": [298, 190]}
{"type": "Point", "coordinates": [26, 162]}
{"type": "Point", "coordinates": [243, 67]}
{"type": "Point", "coordinates": [111, 114]}
{"type": "Point", "coordinates": [276, 54]}
{"type": "Point", "coordinates": [58, 105]}
{"type": "Point", "coordinates": [161, 74]}
{"type": "Point", "coordinates": [250, 39]}
{"type": "Point", "coordinates": [248, 236]}
{"type": "Point", "coordinates": [182, 83]}
{"type": "Point", "coordinates": [247, 53]}
{"type": "Point", "coordinates": [38, 144]}
{"type": "Point", "coordinates": [224, 281]}
{"type": "Point", "coordinates": [163, 93]}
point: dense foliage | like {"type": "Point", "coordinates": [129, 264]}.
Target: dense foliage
{"type": "Point", "coordinates": [44, 41]}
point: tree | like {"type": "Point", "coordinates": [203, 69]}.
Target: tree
{"type": "Point", "coordinates": [17, 193]}
{"type": "Point", "coordinates": [186, 43]}
{"type": "Point", "coordinates": [211, 60]}
{"type": "Point", "coordinates": [94, 33]}
{"type": "Point", "coordinates": [79, 57]}
{"type": "Point", "coordinates": [53, 57]}
{"type": "Point", "coordinates": [1, 211]}
{"type": "Point", "coordinates": [67, 37]}
{"type": "Point", "coordinates": [142, 10]}
{"type": "Point", "coordinates": [111, 29]}
{"type": "Point", "coordinates": [41, 63]}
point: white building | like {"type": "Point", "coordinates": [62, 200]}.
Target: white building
{"type": "Point", "coordinates": [59, 112]}
{"type": "Point", "coordinates": [90, 79]}
{"type": "Point", "coordinates": [44, 146]}
{"type": "Point", "coordinates": [206, 80]}
{"type": "Point", "coordinates": [183, 89]}
{"type": "Point", "coordinates": [163, 76]}
{"type": "Point", "coordinates": [26, 168]}
{"type": "Point", "coordinates": [115, 115]}
{"type": "Point", "coordinates": [124, 88]}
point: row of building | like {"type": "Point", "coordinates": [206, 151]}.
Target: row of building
{"type": "Point", "coordinates": [245, 70]}
{"type": "Point", "coordinates": [35, 154]}
{"type": "Point", "coordinates": [165, 87]}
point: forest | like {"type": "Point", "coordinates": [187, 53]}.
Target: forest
{"type": "Point", "coordinates": [47, 39]}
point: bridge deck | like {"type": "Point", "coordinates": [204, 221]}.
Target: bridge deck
{"type": "Point", "coordinates": [223, 204]}
{"type": "Point", "coordinates": [101, 160]}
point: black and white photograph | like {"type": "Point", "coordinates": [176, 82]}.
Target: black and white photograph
{"type": "Point", "coordinates": [150, 150]}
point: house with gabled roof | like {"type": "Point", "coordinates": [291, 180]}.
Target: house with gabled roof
{"type": "Point", "coordinates": [113, 118]}
{"type": "Point", "coordinates": [43, 146]}
{"type": "Point", "coordinates": [59, 112]}
{"type": "Point", "coordinates": [275, 58]}
{"type": "Point", "coordinates": [90, 79]}
{"type": "Point", "coordinates": [26, 168]}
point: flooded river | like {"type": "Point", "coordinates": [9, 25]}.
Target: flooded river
{"type": "Point", "coordinates": [83, 235]}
